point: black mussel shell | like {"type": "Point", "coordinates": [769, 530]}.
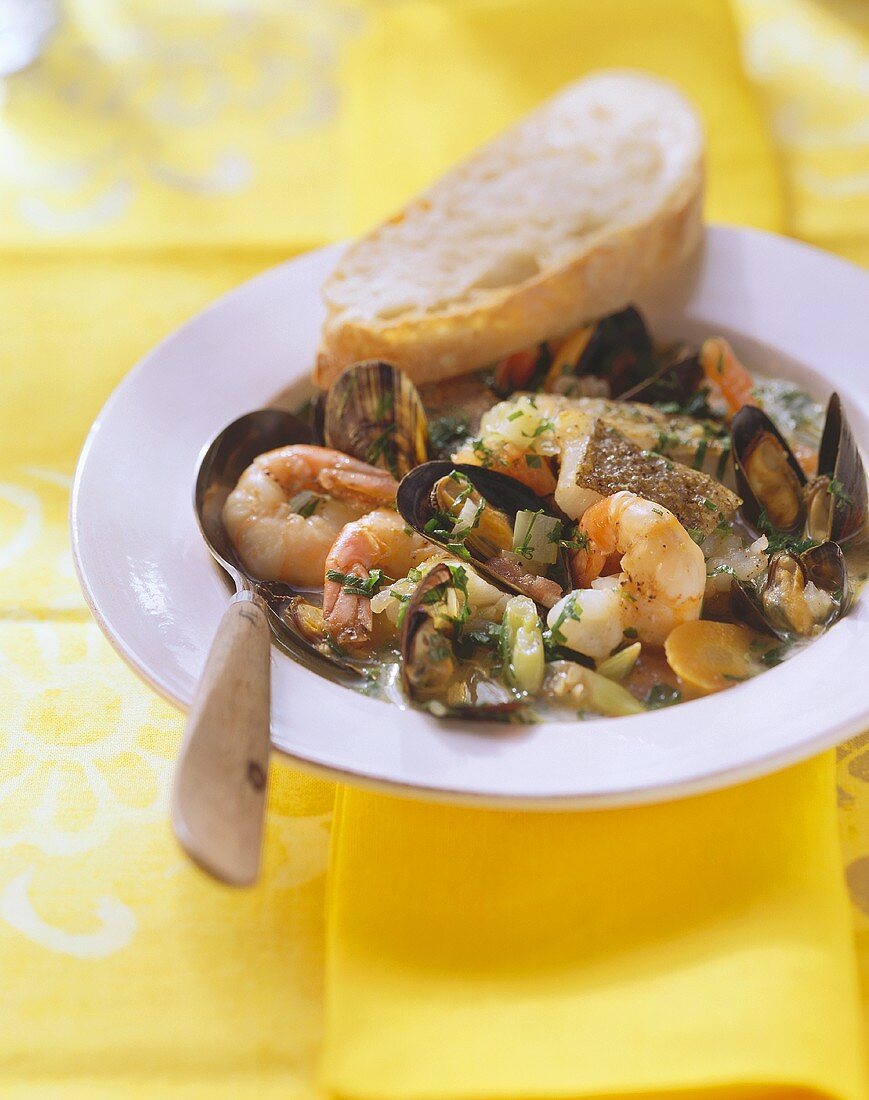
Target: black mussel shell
{"type": "Point", "coordinates": [295, 631]}
{"type": "Point", "coordinates": [826, 568]}
{"type": "Point", "coordinates": [745, 605]}
{"type": "Point", "coordinates": [373, 412]}
{"type": "Point", "coordinates": [414, 502]}
{"type": "Point", "coordinates": [676, 379]}
{"type": "Point", "coordinates": [619, 349]}
{"type": "Point", "coordinates": [777, 606]}
{"type": "Point", "coordinates": [768, 477]}
{"type": "Point", "coordinates": [429, 664]}
{"type": "Point", "coordinates": [836, 500]}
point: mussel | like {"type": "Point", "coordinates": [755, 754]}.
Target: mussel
{"type": "Point", "coordinates": [299, 625]}
{"type": "Point", "coordinates": [617, 348]}
{"type": "Point", "coordinates": [768, 478]}
{"type": "Point", "coordinates": [373, 412]}
{"type": "Point", "coordinates": [836, 499]}
{"type": "Point", "coordinates": [677, 379]}
{"type": "Point", "coordinates": [800, 596]}
{"type": "Point", "coordinates": [432, 673]}
{"type": "Point", "coordinates": [472, 511]}
{"type": "Point", "coordinates": [777, 495]}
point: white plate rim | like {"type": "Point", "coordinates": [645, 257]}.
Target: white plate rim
{"type": "Point", "coordinates": [837, 271]}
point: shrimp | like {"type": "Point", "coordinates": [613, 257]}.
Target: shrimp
{"type": "Point", "coordinates": [663, 572]}
{"type": "Point", "coordinates": [725, 371]}
{"type": "Point", "coordinates": [528, 467]}
{"type": "Point", "coordinates": [379, 540]}
{"type": "Point", "coordinates": [274, 541]}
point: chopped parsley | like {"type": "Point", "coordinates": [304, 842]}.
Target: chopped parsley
{"type": "Point", "coordinates": [447, 434]}
{"type": "Point", "coordinates": [696, 405]}
{"type": "Point", "coordinates": [773, 656]}
{"type": "Point", "coordinates": [484, 636]}
{"type": "Point", "coordinates": [574, 540]}
{"type": "Point", "coordinates": [358, 586]}
{"type": "Point", "coordinates": [544, 425]}
{"type": "Point", "coordinates": [482, 453]}
{"type": "Point", "coordinates": [666, 442]}
{"type": "Point", "coordinates": [306, 503]}
{"type": "Point", "coordinates": [780, 540]}
{"type": "Point", "coordinates": [524, 549]}
{"type": "Point", "coordinates": [837, 490]}
{"type": "Point", "coordinates": [384, 448]}
{"type": "Point", "coordinates": [662, 695]}
{"type": "Point", "coordinates": [569, 611]}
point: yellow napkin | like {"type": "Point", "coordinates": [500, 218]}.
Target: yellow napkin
{"type": "Point", "coordinates": [700, 947]}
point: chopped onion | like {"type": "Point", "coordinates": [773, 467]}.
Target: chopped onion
{"type": "Point", "coordinates": [535, 537]}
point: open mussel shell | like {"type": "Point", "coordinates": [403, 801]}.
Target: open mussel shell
{"type": "Point", "coordinates": [746, 606]}
{"type": "Point", "coordinates": [373, 412]}
{"type": "Point", "coordinates": [836, 500]}
{"type": "Point", "coordinates": [677, 377]}
{"type": "Point", "coordinates": [768, 477]}
{"type": "Point", "coordinates": [417, 502]}
{"type": "Point", "coordinates": [826, 568]}
{"type": "Point", "coordinates": [617, 348]}
{"type": "Point", "coordinates": [431, 673]}
{"type": "Point", "coordinates": [299, 629]}
{"type": "Point", "coordinates": [783, 605]}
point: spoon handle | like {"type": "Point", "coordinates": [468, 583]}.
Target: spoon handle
{"type": "Point", "coordinates": [218, 801]}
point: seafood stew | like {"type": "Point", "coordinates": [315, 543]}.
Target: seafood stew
{"type": "Point", "coordinates": [595, 526]}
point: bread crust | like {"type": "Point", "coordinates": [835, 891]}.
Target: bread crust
{"type": "Point", "coordinates": [606, 276]}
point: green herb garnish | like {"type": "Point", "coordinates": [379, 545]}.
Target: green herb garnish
{"type": "Point", "coordinates": [448, 434]}
{"type": "Point", "coordinates": [837, 490]}
{"type": "Point", "coordinates": [779, 540]}
{"type": "Point", "coordinates": [358, 586]}
{"type": "Point", "coordinates": [306, 503]}
{"type": "Point", "coordinates": [662, 695]}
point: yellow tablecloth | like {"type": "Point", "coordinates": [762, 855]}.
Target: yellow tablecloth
{"type": "Point", "coordinates": [148, 162]}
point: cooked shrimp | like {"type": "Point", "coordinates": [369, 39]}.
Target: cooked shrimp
{"type": "Point", "coordinates": [663, 572]}
{"type": "Point", "coordinates": [725, 371]}
{"type": "Point", "coordinates": [276, 542]}
{"type": "Point", "coordinates": [379, 540]}
{"type": "Point", "coordinates": [526, 466]}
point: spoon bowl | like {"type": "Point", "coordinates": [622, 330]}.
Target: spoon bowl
{"type": "Point", "coordinates": [223, 462]}
{"type": "Point", "coordinates": [219, 794]}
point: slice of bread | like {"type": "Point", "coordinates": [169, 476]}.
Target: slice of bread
{"type": "Point", "coordinates": [560, 219]}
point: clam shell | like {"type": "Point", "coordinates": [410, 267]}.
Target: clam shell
{"type": "Point", "coordinates": [373, 412]}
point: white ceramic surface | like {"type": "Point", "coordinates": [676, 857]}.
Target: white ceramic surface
{"type": "Point", "coordinates": [788, 309]}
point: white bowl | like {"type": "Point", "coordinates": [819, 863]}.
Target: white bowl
{"type": "Point", "coordinates": [788, 309]}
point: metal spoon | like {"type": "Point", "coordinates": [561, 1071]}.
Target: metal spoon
{"type": "Point", "coordinates": [219, 795]}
